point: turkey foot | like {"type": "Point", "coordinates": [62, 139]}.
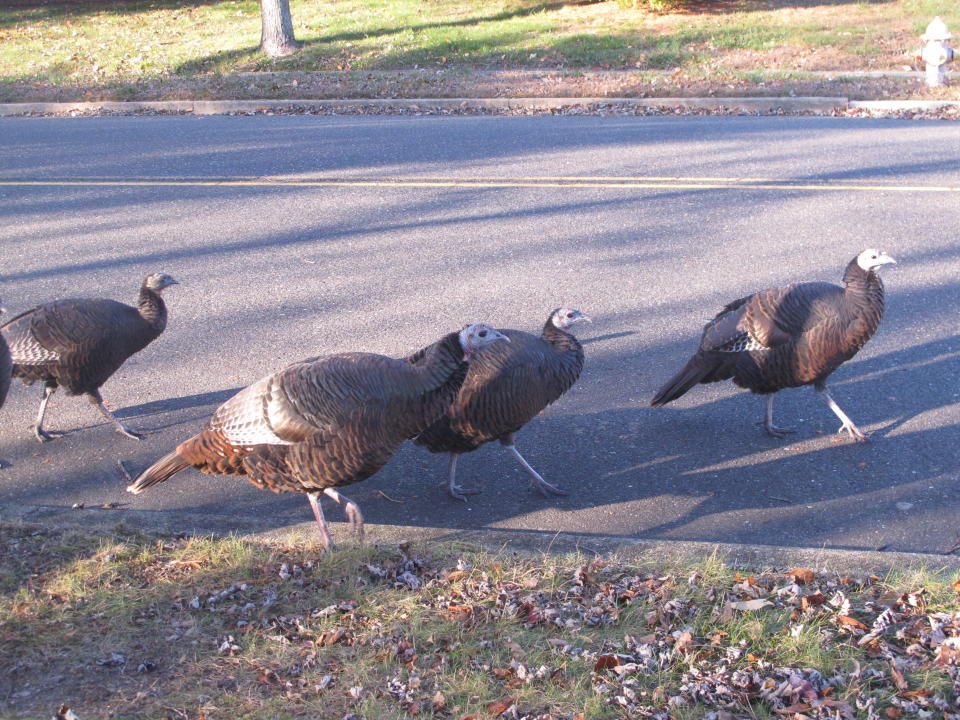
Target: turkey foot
{"type": "Point", "coordinates": [545, 488]}
{"type": "Point", "coordinates": [767, 422]}
{"type": "Point", "coordinates": [456, 491]}
{"type": "Point", "coordinates": [46, 435]}
{"type": "Point", "coordinates": [350, 509]}
{"type": "Point", "coordinates": [848, 425]}
{"type": "Point", "coordinates": [775, 430]}
{"type": "Point", "coordinates": [95, 399]}
{"type": "Point", "coordinates": [856, 433]}
{"type": "Point", "coordinates": [132, 434]}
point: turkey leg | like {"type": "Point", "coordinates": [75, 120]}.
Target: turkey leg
{"type": "Point", "coordinates": [777, 432]}
{"type": "Point", "coordinates": [321, 521]}
{"type": "Point", "coordinates": [351, 509]}
{"type": "Point", "coordinates": [97, 400]}
{"type": "Point", "coordinates": [456, 492]}
{"type": "Point", "coordinates": [545, 488]}
{"type": "Point", "coordinates": [847, 425]}
{"type": "Point", "coordinates": [44, 435]}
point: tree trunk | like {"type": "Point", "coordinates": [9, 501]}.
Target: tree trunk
{"type": "Point", "coordinates": [276, 34]}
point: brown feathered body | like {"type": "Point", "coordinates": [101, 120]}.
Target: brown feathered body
{"type": "Point", "coordinates": [786, 337]}
{"type": "Point", "coordinates": [321, 423]}
{"type": "Point", "coordinates": [508, 385]}
{"type": "Point", "coordinates": [78, 343]}
{"type": "Point", "coordinates": [6, 367]}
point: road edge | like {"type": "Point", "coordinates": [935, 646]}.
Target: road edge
{"type": "Point", "coordinates": [658, 552]}
{"type": "Point", "coordinates": [224, 107]}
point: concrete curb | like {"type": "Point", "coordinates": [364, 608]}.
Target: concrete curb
{"type": "Point", "coordinates": [222, 107]}
{"type": "Point", "coordinates": [658, 552]}
{"type": "Point", "coordinates": [785, 105]}
{"type": "Point", "coordinates": [895, 105]}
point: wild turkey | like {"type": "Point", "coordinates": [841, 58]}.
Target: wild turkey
{"type": "Point", "coordinates": [787, 337]}
{"type": "Point", "coordinates": [326, 422]}
{"type": "Point", "coordinates": [506, 387]}
{"type": "Point", "coordinates": [6, 366]}
{"type": "Point", "coordinates": [79, 343]}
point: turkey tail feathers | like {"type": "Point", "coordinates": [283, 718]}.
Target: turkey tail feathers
{"type": "Point", "coordinates": [163, 469]}
{"type": "Point", "coordinates": [695, 371]}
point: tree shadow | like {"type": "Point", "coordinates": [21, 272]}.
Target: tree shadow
{"type": "Point", "coordinates": [282, 274]}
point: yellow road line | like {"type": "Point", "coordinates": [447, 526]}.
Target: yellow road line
{"type": "Point", "coordinates": [589, 183]}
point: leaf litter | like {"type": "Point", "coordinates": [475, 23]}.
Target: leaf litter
{"type": "Point", "coordinates": [451, 632]}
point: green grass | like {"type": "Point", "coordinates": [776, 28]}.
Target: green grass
{"type": "Point", "coordinates": [133, 42]}
{"type": "Point", "coordinates": [442, 630]}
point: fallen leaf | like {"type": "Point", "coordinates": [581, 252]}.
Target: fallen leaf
{"type": "Point", "coordinates": [802, 576]}
{"type": "Point", "coordinates": [893, 712]}
{"type": "Point", "coordinates": [797, 708]}
{"type": "Point", "coordinates": [746, 605]}
{"type": "Point", "coordinates": [898, 679]}
{"type": "Point", "coordinates": [605, 662]}
{"type": "Point", "coordinates": [499, 707]}
{"type": "Point", "coordinates": [852, 622]}
{"type": "Point", "coordinates": [813, 600]}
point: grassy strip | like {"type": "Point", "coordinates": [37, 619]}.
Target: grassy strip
{"type": "Point", "coordinates": [131, 626]}
{"type": "Point", "coordinates": [124, 49]}
{"type": "Point", "coordinates": [458, 84]}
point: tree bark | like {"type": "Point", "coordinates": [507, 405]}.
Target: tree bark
{"type": "Point", "coordinates": [276, 33]}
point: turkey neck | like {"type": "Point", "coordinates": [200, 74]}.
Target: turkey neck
{"type": "Point", "coordinates": [561, 341]}
{"type": "Point", "coordinates": [437, 377]}
{"type": "Point", "coordinates": [442, 363]}
{"type": "Point", "coordinates": [152, 309]}
{"type": "Point", "coordinates": [864, 289]}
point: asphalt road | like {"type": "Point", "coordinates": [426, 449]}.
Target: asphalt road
{"type": "Point", "coordinates": [381, 234]}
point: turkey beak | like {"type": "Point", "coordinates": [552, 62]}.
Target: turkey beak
{"type": "Point", "coordinates": [583, 318]}
{"type": "Point", "coordinates": [885, 259]}
{"type": "Point", "coordinates": [500, 336]}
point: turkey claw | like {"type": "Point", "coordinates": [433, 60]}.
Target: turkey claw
{"type": "Point", "coordinates": [46, 435]}
{"type": "Point", "coordinates": [775, 430]}
{"type": "Point", "coordinates": [546, 489]}
{"type": "Point", "coordinates": [854, 432]}
{"type": "Point", "coordinates": [460, 493]}
{"type": "Point", "coordinates": [132, 434]}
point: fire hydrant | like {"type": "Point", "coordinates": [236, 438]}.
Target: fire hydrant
{"type": "Point", "coordinates": [935, 52]}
